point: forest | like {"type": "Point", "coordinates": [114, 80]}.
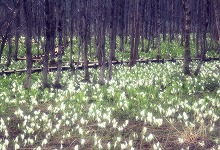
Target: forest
{"type": "Point", "coordinates": [110, 74]}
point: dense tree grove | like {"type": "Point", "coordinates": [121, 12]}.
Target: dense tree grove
{"type": "Point", "coordinates": [54, 24]}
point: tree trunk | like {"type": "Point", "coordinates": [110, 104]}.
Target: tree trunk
{"type": "Point", "coordinates": [84, 23]}
{"type": "Point", "coordinates": [217, 19]}
{"type": "Point", "coordinates": [101, 41]}
{"type": "Point", "coordinates": [2, 46]}
{"type": "Point", "coordinates": [158, 29]}
{"type": "Point", "coordinates": [28, 41]}
{"type": "Point", "coordinates": [52, 32]}
{"type": "Point", "coordinates": [187, 23]}
{"type": "Point", "coordinates": [59, 61]}
{"type": "Point", "coordinates": [135, 35]}
{"type": "Point", "coordinates": [47, 46]}
{"type": "Point", "coordinates": [17, 34]}
{"type": "Point", "coordinates": [204, 25]}
{"type": "Point", "coordinates": [121, 24]}
{"type": "Point", "coordinates": [9, 52]}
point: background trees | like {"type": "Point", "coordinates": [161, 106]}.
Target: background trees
{"type": "Point", "coordinates": [141, 23]}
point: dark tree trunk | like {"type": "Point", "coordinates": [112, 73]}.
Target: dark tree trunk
{"type": "Point", "coordinates": [102, 45]}
{"type": "Point", "coordinates": [59, 61]}
{"type": "Point", "coordinates": [4, 39]}
{"type": "Point", "coordinates": [121, 24]}
{"type": "Point", "coordinates": [84, 27]}
{"type": "Point", "coordinates": [9, 52]}
{"type": "Point", "coordinates": [204, 25]}
{"type": "Point", "coordinates": [17, 34]}
{"type": "Point", "coordinates": [216, 4]}
{"type": "Point", "coordinates": [52, 32]}
{"type": "Point", "coordinates": [135, 35]}
{"type": "Point", "coordinates": [187, 24]}
{"type": "Point", "coordinates": [113, 27]}
{"type": "Point", "coordinates": [158, 28]}
{"type": "Point", "coordinates": [73, 6]}
{"type": "Point", "coordinates": [65, 23]}
{"type": "Point", "coordinates": [47, 46]}
{"type": "Point", "coordinates": [28, 40]}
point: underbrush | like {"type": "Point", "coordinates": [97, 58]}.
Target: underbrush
{"type": "Point", "coordinates": [151, 106]}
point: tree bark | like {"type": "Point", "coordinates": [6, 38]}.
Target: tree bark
{"type": "Point", "coordinates": [216, 4]}
{"type": "Point", "coordinates": [17, 34]}
{"type": "Point", "coordinates": [59, 61]}
{"type": "Point", "coordinates": [158, 28]}
{"type": "Point", "coordinates": [102, 45]}
{"type": "Point", "coordinates": [84, 24]}
{"type": "Point", "coordinates": [187, 23]}
{"type": "Point", "coordinates": [28, 40]}
{"type": "Point", "coordinates": [47, 46]}
{"type": "Point", "coordinates": [135, 34]}
{"type": "Point", "coordinates": [9, 52]}
{"type": "Point", "coordinates": [52, 32]}
{"type": "Point", "coordinates": [204, 25]}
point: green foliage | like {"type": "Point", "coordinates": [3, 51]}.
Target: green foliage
{"type": "Point", "coordinates": [152, 96]}
{"type": "Point", "coordinates": [135, 97]}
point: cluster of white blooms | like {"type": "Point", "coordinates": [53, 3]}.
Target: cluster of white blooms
{"type": "Point", "coordinates": [149, 95]}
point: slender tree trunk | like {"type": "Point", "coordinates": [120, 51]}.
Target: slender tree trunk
{"type": "Point", "coordinates": [121, 24]}
{"type": "Point", "coordinates": [59, 61]}
{"type": "Point", "coordinates": [28, 40]}
{"type": "Point", "coordinates": [47, 46]}
{"type": "Point", "coordinates": [135, 36]}
{"type": "Point", "coordinates": [132, 33]}
{"type": "Point", "coordinates": [9, 52]}
{"type": "Point", "coordinates": [84, 23]}
{"type": "Point", "coordinates": [158, 29]}
{"type": "Point", "coordinates": [204, 25]}
{"type": "Point", "coordinates": [4, 38]}
{"type": "Point", "coordinates": [71, 45]}
{"type": "Point", "coordinates": [187, 23]}
{"type": "Point", "coordinates": [102, 42]}
{"type": "Point", "coordinates": [216, 4]}
{"type": "Point", "coordinates": [17, 34]}
{"type": "Point", "coordinates": [112, 38]}
{"type": "Point", "coordinates": [52, 32]}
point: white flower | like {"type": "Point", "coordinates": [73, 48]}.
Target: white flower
{"type": "Point", "coordinates": [130, 143]}
{"type": "Point", "coordinates": [124, 145]}
{"type": "Point", "coordinates": [109, 145]}
{"type": "Point", "coordinates": [17, 146]}
{"type": "Point", "coordinates": [202, 144]}
{"type": "Point", "coordinates": [44, 142]}
{"type": "Point", "coordinates": [83, 141]}
{"type": "Point", "coordinates": [185, 116]}
{"type": "Point", "coordinates": [118, 138]}
{"type": "Point", "coordinates": [150, 137]}
{"type": "Point", "coordinates": [81, 131]}
{"type": "Point", "coordinates": [181, 140]}
{"type": "Point", "coordinates": [76, 147]}
{"type": "Point", "coordinates": [6, 142]}
{"type": "Point", "coordinates": [38, 148]}
{"type": "Point", "coordinates": [144, 130]}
